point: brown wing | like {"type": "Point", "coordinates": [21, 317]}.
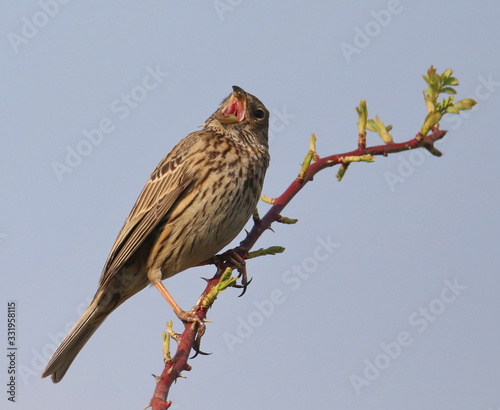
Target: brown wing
{"type": "Point", "coordinates": [171, 179]}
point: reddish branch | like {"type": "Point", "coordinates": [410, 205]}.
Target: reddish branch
{"type": "Point", "coordinates": [186, 340]}
{"type": "Point", "coordinates": [177, 364]}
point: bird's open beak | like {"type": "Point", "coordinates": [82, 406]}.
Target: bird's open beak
{"type": "Point", "coordinates": [234, 111]}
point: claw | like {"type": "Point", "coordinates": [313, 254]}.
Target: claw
{"type": "Point", "coordinates": [237, 257]}
{"type": "Point", "coordinates": [244, 285]}
{"type": "Point", "coordinates": [196, 348]}
{"type": "Point", "coordinates": [197, 341]}
{"type": "Point", "coordinates": [191, 317]}
{"type": "Point", "coordinates": [242, 273]}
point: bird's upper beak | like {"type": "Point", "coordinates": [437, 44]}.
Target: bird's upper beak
{"type": "Point", "coordinates": [235, 108]}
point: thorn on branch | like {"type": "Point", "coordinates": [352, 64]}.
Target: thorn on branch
{"type": "Point", "coordinates": [158, 404]}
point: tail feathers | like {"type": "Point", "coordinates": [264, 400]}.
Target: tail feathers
{"type": "Point", "coordinates": [88, 323]}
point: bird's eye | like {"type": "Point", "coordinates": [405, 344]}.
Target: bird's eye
{"type": "Point", "coordinates": [258, 113]}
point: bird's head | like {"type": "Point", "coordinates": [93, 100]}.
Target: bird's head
{"type": "Point", "coordinates": [240, 111]}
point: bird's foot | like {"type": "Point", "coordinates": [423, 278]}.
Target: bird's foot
{"type": "Point", "coordinates": [236, 257]}
{"type": "Point", "coordinates": [191, 316]}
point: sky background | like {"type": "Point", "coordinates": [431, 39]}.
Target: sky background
{"type": "Point", "coordinates": [387, 294]}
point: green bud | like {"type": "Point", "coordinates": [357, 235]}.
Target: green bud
{"type": "Point", "coordinates": [465, 104]}
{"type": "Point", "coordinates": [430, 121]}
{"type": "Point", "coordinates": [448, 90]}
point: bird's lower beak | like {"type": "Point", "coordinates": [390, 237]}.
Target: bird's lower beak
{"type": "Point", "coordinates": [234, 111]}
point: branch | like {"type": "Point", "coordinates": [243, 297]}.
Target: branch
{"type": "Point", "coordinates": [425, 138]}
{"type": "Point", "coordinates": [176, 365]}
{"type": "Point", "coordinates": [282, 201]}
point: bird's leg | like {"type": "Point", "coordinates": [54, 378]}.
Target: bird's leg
{"type": "Point", "coordinates": [166, 294]}
{"type": "Point", "coordinates": [189, 316]}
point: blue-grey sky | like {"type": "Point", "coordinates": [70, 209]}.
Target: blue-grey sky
{"type": "Point", "coordinates": [387, 294]}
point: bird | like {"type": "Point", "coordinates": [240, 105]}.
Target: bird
{"type": "Point", "coordinates": [196, 201]}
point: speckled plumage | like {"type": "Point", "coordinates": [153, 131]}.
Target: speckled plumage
{"type": "Point", "coordinates": [197, 200]}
